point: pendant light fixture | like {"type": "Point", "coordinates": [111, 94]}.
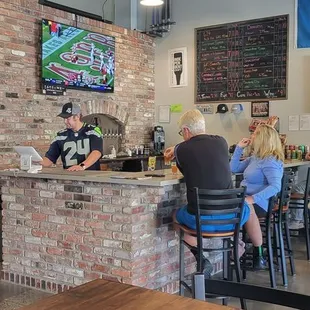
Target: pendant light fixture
{"type": "Point", "coordinates": [151, 2]}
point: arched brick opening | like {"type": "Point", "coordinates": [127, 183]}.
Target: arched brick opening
{"type": "Point", "coordinates": [111, 109]}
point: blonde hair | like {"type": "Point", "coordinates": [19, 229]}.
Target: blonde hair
{"type": "Point", "coordinates": [267, 143]}
{"type": "Point", "coordinates": [194, 121]}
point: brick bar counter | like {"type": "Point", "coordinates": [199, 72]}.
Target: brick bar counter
{"type": "Point", "coordinates": [63, 229]}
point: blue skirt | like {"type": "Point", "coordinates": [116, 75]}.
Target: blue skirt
{"type": "Point", "coordinates": [189, 220]}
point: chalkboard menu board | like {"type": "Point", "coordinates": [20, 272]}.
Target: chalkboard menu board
{"type": "Point", "coordinates": [242, 61]}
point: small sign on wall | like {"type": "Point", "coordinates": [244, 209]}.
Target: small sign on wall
{"type": "Point", "coordinates": [177, 67]}
{"type": "Point", "coordinates": [259, 108]}
{"type": "Point", "coordinates": [293, 123]}
{"type": "Point", "coordinates": [304, 122]}
{"type": "Point", "coordinates": [176, 108]}
{"type": "Point", "coordinates": [206, 109]}
{"type": "Point", "coordinates": [164, 114]}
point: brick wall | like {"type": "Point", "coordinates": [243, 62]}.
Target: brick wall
{"type": "Point", "coordinates": [29, 118]}
{"type": "Point", "coordinates": [58, 234]}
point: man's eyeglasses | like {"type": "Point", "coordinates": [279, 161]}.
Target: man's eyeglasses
{"type": "Point", "coordinates": [181, 133]}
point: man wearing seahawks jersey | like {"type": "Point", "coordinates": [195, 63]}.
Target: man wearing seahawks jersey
{"type": "Point", "coordinates": [80, 145]}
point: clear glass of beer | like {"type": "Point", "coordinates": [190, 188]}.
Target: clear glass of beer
{"type": "Point", "coordinates": [174, 168]}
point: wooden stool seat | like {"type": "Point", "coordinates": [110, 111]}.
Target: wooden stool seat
{"type": "Point", "coordinates": [204, 234]}
{"type": "Point", "coordinates": [297, 196]}
{"type": "Point", "coordinates": [276, 208]}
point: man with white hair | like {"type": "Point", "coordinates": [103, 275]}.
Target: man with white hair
{"type": "Point", "coordinates": [204, 161]}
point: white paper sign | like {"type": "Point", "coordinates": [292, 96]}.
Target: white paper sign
{"type": "Point", "coordinates": [293, 122]}
{"type": "Point", "coordinates": [305, 122]}
{"type": "Point", "coordinates": [164, 114]}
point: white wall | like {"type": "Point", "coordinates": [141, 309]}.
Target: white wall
{"type": "Point", "coordinates": [117, 11]}
{"type": "Point", "coordinates": [128, 12]}
{"type": "Point", "coordinates": [91, 6]}
{"type": "Point", "coordinates": [198, 13]}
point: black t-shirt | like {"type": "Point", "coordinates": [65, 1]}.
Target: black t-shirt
{"type": "Point", "coordinates": [74, 147]}
{"type": "Point", "coordinates": [204, 162]}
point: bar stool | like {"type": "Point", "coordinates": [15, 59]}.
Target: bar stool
{"type": "Point", "coordinates": [272, 228]}
{"type": "Point", "coordinates": [280, 222]}
{"type": "Point", "coordinates": [301, 201]}
{"type": "Point", "coordinates": [229, 205]}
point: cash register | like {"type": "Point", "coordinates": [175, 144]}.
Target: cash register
{"type": "Point", "coordinates": [28, 156]}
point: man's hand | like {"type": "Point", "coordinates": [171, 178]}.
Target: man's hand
{"type": "Point", "coordinates": [244, 142]}
{"type": "Point", "coordinates": [307, 156]}
{"type": "Point", "coordinates": [249, 200]}
{"type": "Point", "coordinates": [45, 162]}
{"type": "Point", "coordinates": [169, 153]}
{"type": "Point", "coordinates": [76, 168]}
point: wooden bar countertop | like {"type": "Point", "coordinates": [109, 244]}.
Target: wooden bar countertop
{"type": "Point", "coordinates": [130, 178]}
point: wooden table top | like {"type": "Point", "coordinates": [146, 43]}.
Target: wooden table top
{"type": "Point", "coordinates": [102, 294]}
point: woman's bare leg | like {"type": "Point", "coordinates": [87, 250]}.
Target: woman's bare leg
{"type": "Point", "coordinates": [253, 229]}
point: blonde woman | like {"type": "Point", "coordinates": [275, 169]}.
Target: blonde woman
{"type": "Point", "coordinates": [262, 174]}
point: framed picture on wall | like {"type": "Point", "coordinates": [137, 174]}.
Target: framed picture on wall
{"type": "Point", "coordinates": [177, 67]}
{"type": "Point", "coordinates": [259, 108]}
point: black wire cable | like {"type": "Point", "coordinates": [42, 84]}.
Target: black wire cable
{"type": "Point", "coordinates": [103, 8]}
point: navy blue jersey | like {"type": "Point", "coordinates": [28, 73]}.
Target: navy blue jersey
{"type": "Point", "coordinates": [74, 147]}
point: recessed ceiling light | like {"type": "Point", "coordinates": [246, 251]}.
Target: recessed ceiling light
{"type": "Point", "coordinates": [151, 2]}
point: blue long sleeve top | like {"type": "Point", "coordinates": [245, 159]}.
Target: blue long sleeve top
{"type": "Point", "coordinates": [262, 177]}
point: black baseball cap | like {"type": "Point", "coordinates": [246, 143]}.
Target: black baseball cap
{"type": "Point", "coordinates": [222, 108]}
{"type": "Point", "coordinates": [69, 109]}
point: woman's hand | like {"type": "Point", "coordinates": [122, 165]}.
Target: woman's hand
{"type": "Point", "coordinates": [244, 142]}
{"type": "Point", "coordinates": [249, 200]}
{"type": "Point", "coordinates": [169, 153]}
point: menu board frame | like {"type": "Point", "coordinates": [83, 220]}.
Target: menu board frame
{"type": "Point", "coordinates": [283, 90]}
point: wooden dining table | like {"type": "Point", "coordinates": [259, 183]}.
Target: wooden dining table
{"type": "Point", "coordinates": [106, 295]}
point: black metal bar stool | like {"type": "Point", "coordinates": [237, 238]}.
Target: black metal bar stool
{"type": "Point", "coordinates": [225, 203]}
{"type": "Point", "coordinates": [247, 258]}
{"type": "Point", "coordinates": [301, 201]}
{"type": "Point", "coordinates": [272, 228]}
{"type": "Point", "coordinates": [280, 221]}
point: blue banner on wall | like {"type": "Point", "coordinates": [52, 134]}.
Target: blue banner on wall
{"type": "Point", "coordinates": [303, 23]}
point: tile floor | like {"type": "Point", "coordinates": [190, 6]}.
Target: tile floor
{"type": "Point", "coordinates": [13, 297]}
{"type": "Point", "coordinates": [299, 283]}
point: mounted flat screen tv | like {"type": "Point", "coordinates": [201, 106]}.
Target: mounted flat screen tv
{"type": "Point", "coordinates": [76, 58]}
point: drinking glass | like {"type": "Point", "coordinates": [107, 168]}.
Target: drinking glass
{"type": "Point", "coordinates": [174, 168]}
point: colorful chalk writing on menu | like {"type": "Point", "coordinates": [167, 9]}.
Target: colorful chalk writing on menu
{"type": "Point", "coordinates": [242, 61]}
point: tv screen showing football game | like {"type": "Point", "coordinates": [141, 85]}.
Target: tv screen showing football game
{"type": "Point", "coordinates": [77, 58]}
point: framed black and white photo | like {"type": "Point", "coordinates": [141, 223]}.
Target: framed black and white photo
{"type": "Point", "coordinates": [177, 67]}
{"type": "Point", "coordinates": [259, 108]}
